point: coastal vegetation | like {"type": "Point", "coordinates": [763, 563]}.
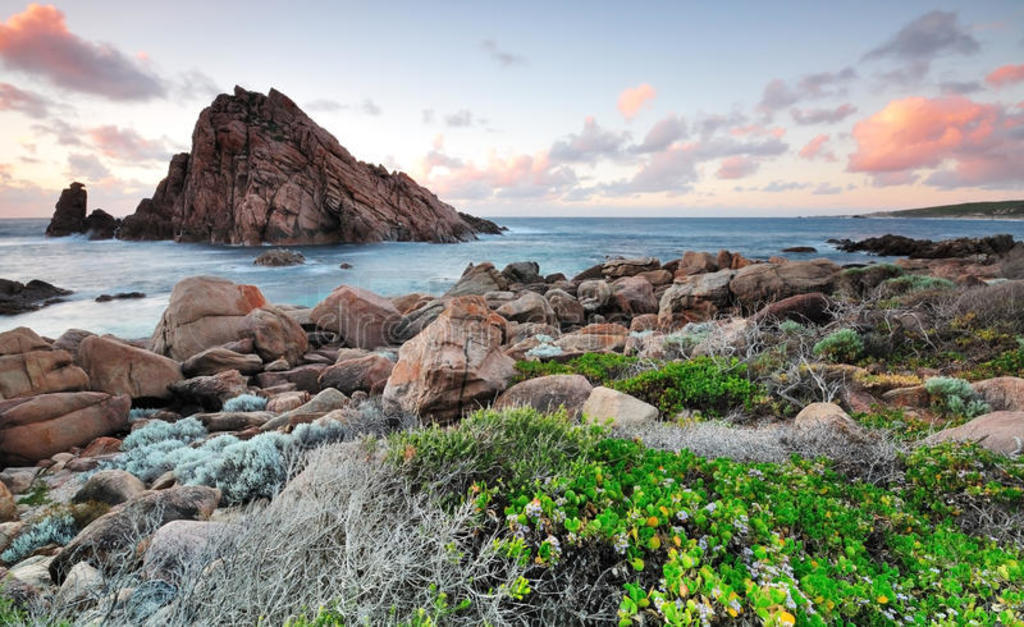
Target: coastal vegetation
{"type": "Point", "coordinates": [786, 443]}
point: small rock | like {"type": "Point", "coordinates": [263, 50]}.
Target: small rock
{"type": "Point", "coordinates": [112, 487]}
{"type": "Point", "coordinates": [280, 257]}
{"type": "Point", "coordinates": [548, 393]}
{"type": "Point", "coordinates": [999, 431]}
{"type": "Point", "coordinates": [106, 298]}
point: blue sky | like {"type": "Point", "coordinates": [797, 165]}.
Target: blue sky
{"type": "Point", "coordinates": [514, 109]}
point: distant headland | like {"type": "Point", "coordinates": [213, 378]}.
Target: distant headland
{"type": "Point", "coordinates": [997, 210]}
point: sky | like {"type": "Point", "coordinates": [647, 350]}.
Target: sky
{"type": "Point", "coordinates": [539, 108]}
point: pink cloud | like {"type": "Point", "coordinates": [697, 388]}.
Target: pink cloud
{"type": "Point", "coordinates": [814, 149]}
{"type": "Point", "coordinates": [632, 99]}
{"type": "Point", "coordinates": [27, 102]}
{"type": "Point", "coordinates": [37, 41]}
{"type": "Point", "coordinates": [758, 129]}
{"type": "Point", "coordinates": [127, 145]}
{"type": "Point", "coordinates": [1005, 75]}
{"type": "Point", "coordinates": [982, 143]}
{"type": "Point", "coordinates": [516, 176]}
{"type": "Point", "coordinates": [737, 167]}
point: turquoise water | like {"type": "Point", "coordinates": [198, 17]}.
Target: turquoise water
{"type": "Point", "coordinates": [565, 245]}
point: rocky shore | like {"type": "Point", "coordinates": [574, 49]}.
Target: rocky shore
{"type": "Point", "coordinates": [131, 466]}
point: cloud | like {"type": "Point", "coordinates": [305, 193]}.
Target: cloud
{"type": "Point", "coordinates": [826, 189]}
{"type": "Point", "coordinates": [815, 148]}
{"type": "Point", "coordinates": [1005, 75]}
{"type": "Point", "coordinates": [37, 41]}
{"type": "Point", "coordinates": [960, 87]}
{"type": "Point", "coordinates": [195, 85]}
{"type": "Point", "coordinates": [976, 144]}
{"type": "Point", "coordinates": [891, 179]}
{"type": "Point", "coordinates": [783, 186]}
{"type": "Point", "coordinates": [66, 134]}
{"type": "Point", "coordinates": [521, 176]}
{"type": "Point", "coordinates": [589, 145]}
{"type": "Point", "coordinates": [87, 167]}
{"type": "Point", "coordinates": [662, 134]}
{"type": "Point", "coordinates": [778, 94]}
{"type": "Point", "coordinates": [427, 116]}
{"type": "Point", "coordinates": [737, 167]}
{"type": "Point", "coordinates": [758, 130]}
{"type": "Point", "coordinates": [126, 144]}
{"type": "Point", "coordinates": [718, 147]}
{"type": "Point", "coordinates": [709, 123]}
{"type": "Point", "coordinates": [807, 117]}
{"type": "Point", "coordinates": [501, 57]}
{"type": "Point", "coordinates": [27, 102]}
{"type": "Point", "coordinates": [632, 99]}
{"type": "Point", "coordinates": [673, 170]}
{"type": "Point", "coordinates": [460, 119]}
{"type": "Point", "coordinates": [327, 105]}
{"type": "Point", "coordinates": [932, 34]}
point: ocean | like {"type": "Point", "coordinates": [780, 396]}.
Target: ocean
{"type": "Point", "coordinates": [566, 245]}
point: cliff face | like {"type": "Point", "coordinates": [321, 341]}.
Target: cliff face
{"type": "Point", "coordinates": [261, 170]}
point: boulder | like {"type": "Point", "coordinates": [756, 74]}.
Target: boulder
{"type": "Point", "coordinates": [233, 420]}
{"type": "Point", "coordinates": [38, 427]}
{"type": "Point", "coordinates": [594, 294]}
{"type": "Point", "coordinates": [117, 368]}
{"type": "Point", "coordinates": [305, 378]}
{"type": "Point", "coordinates": [756, 285]}
{"type": "Point", "coordinates": [696, 298]}
{"type": "Point", "coordinates": [211, 391]}
{"type": "Point", "coordinates": [605, 404]}
{"type": "Point", "coordinates": [279, 257]}
{"type": "Point", "coordinates": [999, 431]}
{"type": "Point", "coordinates": [454, 365]}
{"type": "Point", "coordinates": [204, 312]}
{"type": "Point", "coordinates": [523, 272]}
{"type": "Point", "coordinates": [617, 268]}
{"type": "Point", "coordinates": [548, 394]}
{"type": "Point", "coordinates": [595, 338]}
{"type": "Point", "coordinates": [831, 416]}
{"type": "Point", "coordinates": [101, 225]}
{"type": "Point", "coordinates": [29, 366]}
{"type": "Point", "coordinates": [634, 295]}
{"type": "Point", "coordinates": [219, 359]}
{"type": "Point", "coordinates": [694, 262]}
{"type": "Point", "coordinates": [657, 277]}
{"type": "Point", "coordinates": [260, 170]}
{"type": "Point", "coordinates": [324, 402]}
{"type": "Point", "coordinates": [813, 308]}
{"type": "Point", "coordinates": [567, 309]}
{"type": "Point", "coordinates": [16, 297]}
{"type": "Point", "coordinates": [369, 373]}
{"type": "Point", "coordinates": [1002, 393]}
{"type": "Point", "coordinates": [118, 529]}
{"type": "Point", "coordinates": [82, 584]}
{"type": "Point", "coordinates": [416, 320]}
{"type": "Point", "coordinates": [528, 307]}
{"type": "Point", "coordinates": [361, 318]}
{"type": "Point", "coordinates": [8, 507]}
{"type": "Point", "coordinates": [478, 280]}
{"type": "Point", "coordinates": [287, 401]}
{"type": "Point", "coordinates": [275, 334]}
{"type": "Point", "coordinates": [112, 487]}
{"type": "Point", "coordinates": [180, 546]}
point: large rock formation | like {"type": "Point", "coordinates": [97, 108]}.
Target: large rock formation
{"type": "Point", "coordinates": [69, 215]}
{"type": "Point", "coordinates": [261, 170]}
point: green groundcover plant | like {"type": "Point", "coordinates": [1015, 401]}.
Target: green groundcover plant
{"type": "Point", "coordinates": [712, 385]}
{"type": "Point", "coordinates": [690, 540]}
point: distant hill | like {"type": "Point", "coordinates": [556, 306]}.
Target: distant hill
{"type": "Point", "coordinates": [1003, 210]}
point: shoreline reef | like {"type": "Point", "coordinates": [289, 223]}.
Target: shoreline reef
{"type": "Point", "coordinates": [707, 439]}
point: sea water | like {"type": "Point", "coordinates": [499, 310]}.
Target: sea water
{"type": "Point", "coordinates": [566, 245]}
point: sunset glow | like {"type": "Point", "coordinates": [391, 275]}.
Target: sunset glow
{"type": "Point", "coordinates": [547, 113]}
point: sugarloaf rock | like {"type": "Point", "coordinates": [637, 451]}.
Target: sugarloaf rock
{"type": "Point", "coordinates": [261, 170]}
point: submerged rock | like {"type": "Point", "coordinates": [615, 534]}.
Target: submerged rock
{"type": "Point", "coordinates": [280, 257]}
{"type": "Point", "coordinates": [16, 298]}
